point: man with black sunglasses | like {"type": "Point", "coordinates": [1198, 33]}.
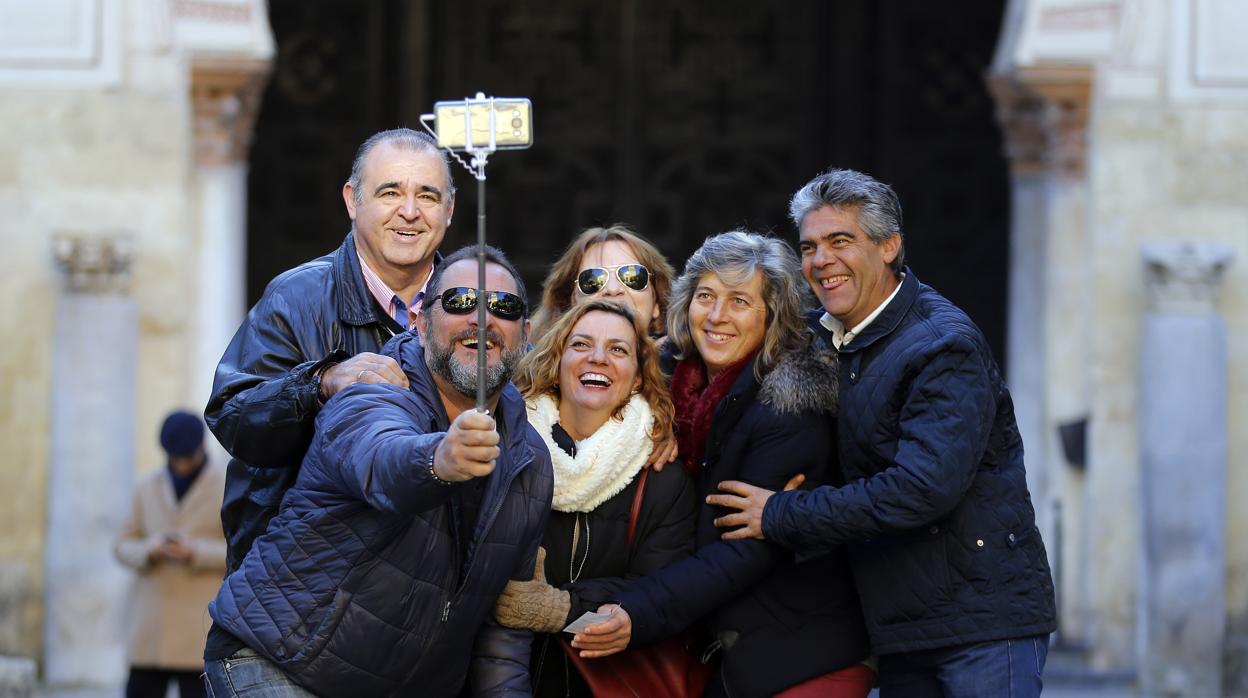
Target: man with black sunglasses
{"type": "Point", "coordinates": [411, 512]}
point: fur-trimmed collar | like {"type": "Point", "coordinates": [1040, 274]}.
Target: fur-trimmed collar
{"type": "Point", "coordinates": [803, 381]}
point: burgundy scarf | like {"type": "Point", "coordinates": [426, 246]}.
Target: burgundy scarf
{"type": "Point", "coordinates": [695, 403]}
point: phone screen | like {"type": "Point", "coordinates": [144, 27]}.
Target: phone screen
{"type": "Point", "coordinates": [512, 120]}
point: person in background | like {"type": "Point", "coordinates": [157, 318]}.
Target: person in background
{"type": "Point", "coordinates": [597, 398]}
{"type": "Point", "coordinates": [172, 539]}
{"type": "Point", "coordinates": [755, 397]}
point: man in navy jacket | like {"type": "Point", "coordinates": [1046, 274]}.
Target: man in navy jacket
{"type": "Point", "coordinates": [953, 575]}
{"type": "Point", "coordinates": [410, 513]}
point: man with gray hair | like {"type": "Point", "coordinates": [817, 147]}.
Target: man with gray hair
{"type": "Point", "coordinates": [953, 575]}
{"type": "Point", "coordinates": [319, 327]}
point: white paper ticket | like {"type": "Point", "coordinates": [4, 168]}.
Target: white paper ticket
{"type": "Point", "coordinates": [587, 619]}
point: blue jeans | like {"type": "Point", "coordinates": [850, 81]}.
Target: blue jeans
{"type": "Point", "coordinates": [248, 675]}
{"type": "Point", "coordinates": [997, 669]}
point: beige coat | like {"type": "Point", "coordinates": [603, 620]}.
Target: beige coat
{"type": "Point", "coordinates": [171, 603]}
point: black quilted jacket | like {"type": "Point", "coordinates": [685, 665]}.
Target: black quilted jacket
{"type": "Point", "coordinates": [358, 587]}
{"type": "Point", "coordinates": [264, 397]}
{"type": "Point", "coordinates": [945, 547]}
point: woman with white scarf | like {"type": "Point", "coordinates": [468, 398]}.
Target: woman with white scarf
{"type": "Point", "coordinates": [597, 397]}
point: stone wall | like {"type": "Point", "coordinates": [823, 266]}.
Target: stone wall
{"type": "Point", "coordinates": [1170, 162]}
{"type": "Point", "coordinates": [1162, 172]}
{"type": "Point", "coordinates": [80, 163]}
{"type": "Point", "coordinates": [101, 140]}
{"type": "Point", "coordinates": [1164, 84]}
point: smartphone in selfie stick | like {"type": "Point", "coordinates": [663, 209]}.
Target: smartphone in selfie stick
{"type": "Point", "coordinates": [479, 126]}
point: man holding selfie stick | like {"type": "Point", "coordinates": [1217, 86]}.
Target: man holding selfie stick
{"type": "Point", "coordinates": [412, 511]}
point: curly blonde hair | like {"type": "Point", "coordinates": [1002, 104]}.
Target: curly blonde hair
{"type": "Point", "coordinates": [538, 372]}
{"type": "Point", "coordinates": [557, 288]}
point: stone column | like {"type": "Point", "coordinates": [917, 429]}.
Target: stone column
{"type": "Point", "coordinates": [1183, 460]}
{"type": "Point", "coordinates": [1043, 117]}
{"type": "Point", "coordinates": [1020, 113]}
{"type": "Point", "coordinates": [226, 96]}
{"type": "Point", "coordinates": [94, 348]}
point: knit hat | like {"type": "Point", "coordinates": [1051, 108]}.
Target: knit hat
{"type": "Point", "coordinates": [182, 434]}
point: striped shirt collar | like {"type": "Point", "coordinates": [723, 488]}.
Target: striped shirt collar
{"type": "Point", "coordinates": [389, 300]}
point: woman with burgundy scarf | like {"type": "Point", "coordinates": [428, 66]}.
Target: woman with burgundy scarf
{"type": "Point", "coordinates": [755, 398]}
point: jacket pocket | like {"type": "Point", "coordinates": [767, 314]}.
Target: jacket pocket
{"type": "Point", "coordinates": [904, 580]}
{"type": "Point", "coordinates": [302, 648]}
{"type": "Point", "coordinates": [1023, 559]}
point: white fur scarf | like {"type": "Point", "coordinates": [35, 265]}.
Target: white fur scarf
{"type": "Point", "coordinates": [605, 462]}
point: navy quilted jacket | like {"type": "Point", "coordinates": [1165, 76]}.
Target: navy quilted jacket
{"type": "Point", "coordinates": [357, 587]}
{"type": "Point", "coordinates": [946, 550]}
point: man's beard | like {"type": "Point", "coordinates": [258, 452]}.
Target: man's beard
{"type": "Point", "coordinates": [441, 360]}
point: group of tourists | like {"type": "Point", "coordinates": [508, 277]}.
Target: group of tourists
{"type": "Point", "coordinates": [705, 475]}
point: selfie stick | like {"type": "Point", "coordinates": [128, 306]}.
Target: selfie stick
{"type": "Point", "coordinates": [487, 108]}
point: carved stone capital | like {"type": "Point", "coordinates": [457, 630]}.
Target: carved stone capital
{"type": "Point", "coordinates": [1044, 116]}
{"type": "Point", "coordinates": [95, 264]}
{"type": "Point", "coordinates": [1183, 277]}
{"type": "Point", "coordinates": [226, 96]}
{"type": "Point", "coordinates": [1021, 114]}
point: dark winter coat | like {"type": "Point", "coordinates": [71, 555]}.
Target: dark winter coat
{"type": "Point", "coordinates": [777, 622]}
{"type": "Point", "coordinates": [946, 550]}
{"type": "Point", "coordinates": [358, 587]}
{"type": "Point", "coordinates": [264, 397]}
{"type": "Point", "coordinates": [663, 534]}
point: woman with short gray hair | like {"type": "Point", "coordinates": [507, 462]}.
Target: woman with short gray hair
{"type": "Point", "coordinates": [755, 398]}
{"type": "Point", "coordinates": [735, 257]}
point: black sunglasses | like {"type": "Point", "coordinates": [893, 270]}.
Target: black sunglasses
{"type": "Point", "coordinates": [461, 300]}
{"type": "Point", "coordinates": [594, 279]}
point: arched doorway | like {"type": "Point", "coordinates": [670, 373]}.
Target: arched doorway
{"type": "Point", "coordinates": [681, 120]}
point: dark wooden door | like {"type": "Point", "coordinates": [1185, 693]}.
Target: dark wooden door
{"type": "Point", "coordinates": [680, 119]}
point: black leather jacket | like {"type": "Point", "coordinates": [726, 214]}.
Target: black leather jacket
{"type": "Point", "coordinates": [264, 396]}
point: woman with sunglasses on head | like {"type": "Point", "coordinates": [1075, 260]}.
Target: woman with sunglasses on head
{"type": "Point", "coordinates": [597, 398]}
{"type": "Point", "coordinates": [612, 263]}
{"type": "Point", "coordinates": [755, 400]}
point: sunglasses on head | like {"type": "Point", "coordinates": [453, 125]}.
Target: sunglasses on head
{"type": "Point", "coordinates": [594, 279]}
{"type": "Point", "coordinates": [461, 300]}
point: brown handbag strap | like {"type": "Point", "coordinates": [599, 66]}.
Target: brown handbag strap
{"type": "Point", "coordinates": [636, 510]}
